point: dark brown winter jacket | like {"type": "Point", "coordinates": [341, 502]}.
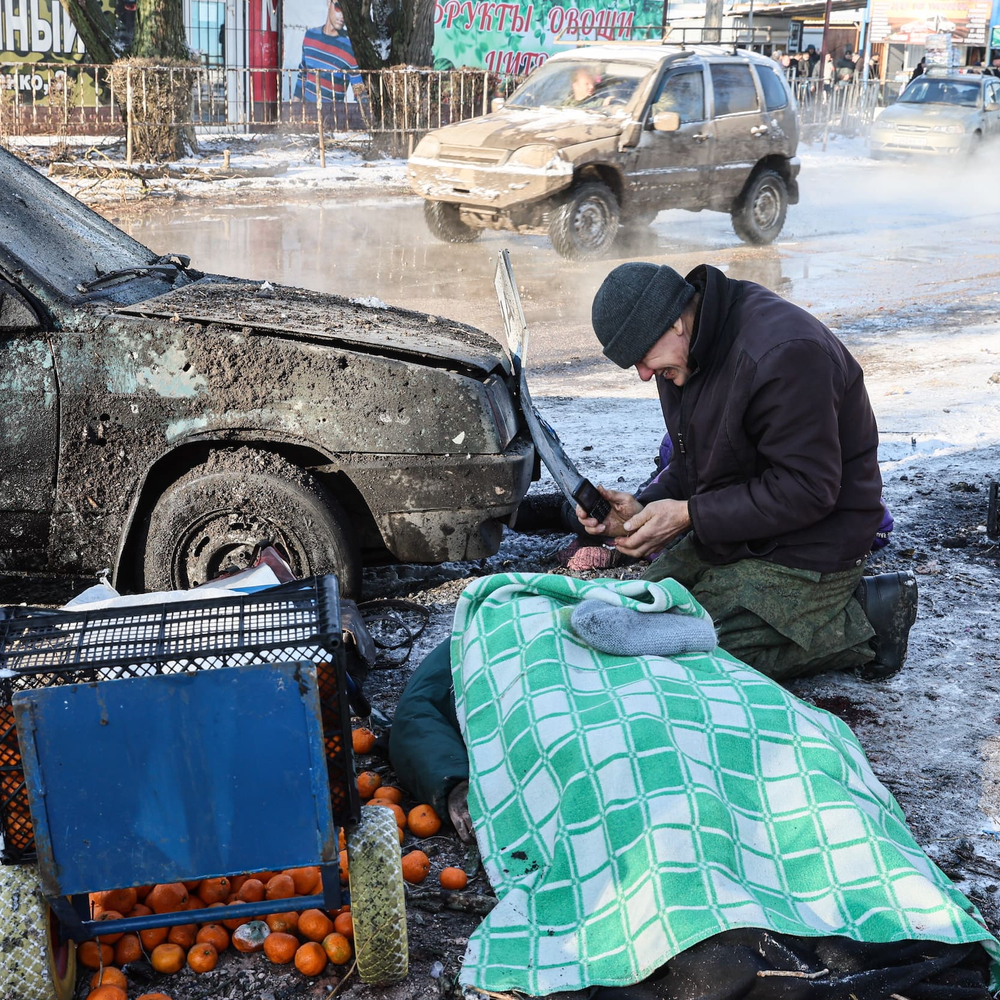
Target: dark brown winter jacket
{"type": "Point", "coordinates": [774, 439]}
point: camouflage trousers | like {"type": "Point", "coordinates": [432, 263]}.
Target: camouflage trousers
{"type": "Point", "coordinates": [784, 622]}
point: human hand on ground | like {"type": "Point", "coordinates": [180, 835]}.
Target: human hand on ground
{"type": "Point", "coordinates": [623, 506]}
{"type": "Point", "coordinates": [652, 527]}
{"type": "Point", "coordinates": [458, 813]}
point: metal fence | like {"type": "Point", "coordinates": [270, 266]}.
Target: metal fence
{"type": "Point", "coordinates": [90, 100]}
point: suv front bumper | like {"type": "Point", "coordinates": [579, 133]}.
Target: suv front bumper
{"type": "Point", "coordinates": [498, 187]}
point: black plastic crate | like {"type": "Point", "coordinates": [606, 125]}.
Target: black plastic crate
{"type": "Point", "coordinates": [297, 621]}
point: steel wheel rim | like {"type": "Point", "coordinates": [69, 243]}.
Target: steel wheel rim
{"type": "Point", "coordinates": [225, 540]}
{"type": "Point", "coordinates": [590, 222]}
{"type": "Point", "coordinates": [767, 206]}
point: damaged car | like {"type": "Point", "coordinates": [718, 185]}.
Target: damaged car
{"type": "Point", "coordinates": [163, 422]}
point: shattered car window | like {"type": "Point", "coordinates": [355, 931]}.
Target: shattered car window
{"type": "Point", "coordinates": [48, 233]}
{"type": "Point", "coordinates": [593, 85]}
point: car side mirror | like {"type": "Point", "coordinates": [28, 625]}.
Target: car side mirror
{"type": "Point", "coordinates": [993, 106]}
{"type": "Point", "coordinates": [496, 104]}
{"type": "Point", "coordinates": [667, 121]}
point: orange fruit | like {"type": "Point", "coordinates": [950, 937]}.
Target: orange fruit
{"type": "Point", "coordinates": [109, 976]}
{"type": "Point", "coordinates": [389, 792]}
{"type": "Point", "coordinates": [120, 900]}
{"type": "Point", "coordinates": [416, 865]}
{"type": "Point", "coordinates": [338, 949]}
{"type": "Point", "coordinates": [368, 781]}
{"type": "Point", "coordinates": [214, 934]}
{"type": "Point", "coordinates": [314, 925]}
{"type": "Point", "coordinates": [344, 869]}
{"type": "Point", "coordinates": [362, 740]}
{"type": "Point", "coordinates": [167, 898]}
{"type": "Point", "coordinates": [107, 993]}
{"type": "Point", "coordinates": [283, 923]}
{"type": "Point", "coordinates": [265, 877]}
{"type": "Point", "coordinates": [280, 887]}
{"type": "Point", "coordinates": [128, 949]}
{"type": "Point", "coordinates": [252, 891]}
{"type": "Point", "coordinates": [310, 959]}
{"type": "Point", "coordinates": [92, 955]}
{"type": "Point", "coordinates": [236, 883]}
{"type": "Point", "coordinates": [280, 947]}
{"type": "Point", "coordinates": [213, 890]}
{"type": "Point", "coordinates": [142, 891]}
{"type": "Point", "coordinates": [109, 938]}
{"type": "Point", "coordinates": [194, 903]}
{"type": "Point", "coordinates": [233, 922]}
{"type": "Point", "coordinates": [423, 821]}
{"type": "Point", "coordinates": [343, 923]}
{"type": "Point", "coordinates": [307, 880]}
{"type": "Point", "coordinates": [192, 886]}
{"type": "Point", "coordinates": [183, 934]}
{"type": "Point", "coordinates": [202, 957]}
{"type": "Point", "coordinates": [139, 910]}
{"type": "Point", "coordinates": [397, 811]}
{"type": "Point", "coordinates": [251, 936]}
{"type": "Point", "coordinates": [341, 840]}
{"type": "Point", "coordinates": [153, 936]}
{"type": "Point", "coordinates": [168, 958]}
{"type": "Point", "coordinates": [453, 878]}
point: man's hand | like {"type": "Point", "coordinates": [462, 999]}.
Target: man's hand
{"type": "Point", "coordinates": [623, 506]}
{"type": "Point", "coordinates": [652, 526]}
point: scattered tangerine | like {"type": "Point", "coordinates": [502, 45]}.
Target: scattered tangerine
{"type": "Point", "coordinates": [167, 898]}
{"type": "Point", "coordinates": [128, 949]}
{"type": "Point", "coordinates": [307, 880]}
{"type": "Point", "coordinates": [214, 934]}
{"type": "Point", "coordinates": [152, 937]}
{"type": "Point", "coordinates": [251, 936]}
{"type": "Point", "coordinates": [280, 947]}
{"type": "Point", "coordinates": [202, 957]}
{"type": "Point", "coordinates": [343, 923]}
{"type": "Point", "coordinates": [280, 887]}
{"type": "Point", "coordinates": [214, 890]}
{"type": "Point", "coordinates": [416, 865]}
{"type": "Point", "coordinates": [314, 925]}
{"type": "Point", "coordinates": [338, 949]}
{"type": "Point", "coordinates": [389, 792]}
{"type": "Point", "coordinates": [234, 922]}
{"type": "Point", "coordinates": [283, 923]}
{"type": "Point", "coordinates": [109, 976]}
{"type": "Point", "coordinates": [92, 955]}
{"type": "Point", "coordinates": [310, 959]}
{"type": "Point", "coordinates": [183, 934]}
{"type": "Point", "coordinates": [109, 938]}
{"type": "Point", "coordinates": [362, 740]}
{"type": "Point", "coordinates": [252, 891]}
{"type": "Point", "coordinates": [120, 900]}
{"type": "Point", "coordinates": [368, 781]}
{"type": "Point", "coordinates": [344, 868]}
{"type": "Point", "coordinates": [167, 958]}
{"type": "Point", "coordinates": [423, 821]}
{"type": "Point", "coordinates": [453, 878]}
{"type": "Point", "coordinates": [107, 993]}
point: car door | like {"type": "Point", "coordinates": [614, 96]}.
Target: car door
{"type": "Point", "coordinates": [29, 436]}
{"type": "Point", "coordinates": [779, 112]}
{"type": "Point", "coordinates": [991, 100]}
{"type": "Point", "coordinates": [740, 129]}
{"type": "Point", "coordinates": [670, 169]}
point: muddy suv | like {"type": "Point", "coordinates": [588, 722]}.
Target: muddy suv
{"type": "Point", "coordinates": [605, 137]}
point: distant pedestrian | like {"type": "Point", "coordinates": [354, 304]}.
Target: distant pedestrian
{"type": "Point", "coordinates": [828, 74]}
{"type": "Point", "coordinates": [845, 67]}
{"type": "Point", "coordinates": [813, 59]}
{"type": "Point", "coordinates": [918, 70]}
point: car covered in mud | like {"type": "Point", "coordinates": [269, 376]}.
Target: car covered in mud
{"type": "Point", "coordinates": [163, 422]}
{"type": "Point", "coordinates": [602, 138]}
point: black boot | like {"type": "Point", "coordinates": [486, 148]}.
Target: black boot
{"type": "Point", "coordinates": [890, 604]}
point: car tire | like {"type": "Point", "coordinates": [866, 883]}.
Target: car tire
{"type": "Point", "coordinates": [444, 222]}
{"type": "Point", "coordinates": [213, 518]}
{"type": "Point", "coordinates": [760, 212]}
{"type": "Point", "coordinates": [585, 224]}
{"type": "Point", "coordinates": [378, 897]}
{"type": "Point", "coordinates": [37, 964]}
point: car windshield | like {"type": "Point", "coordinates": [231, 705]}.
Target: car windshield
{"type": "Point", "coordinates": [593, 85]}
{"type": "Point", "coordinates": [929, 91]}
{"type": "Point", "coordinates": [49, 234]}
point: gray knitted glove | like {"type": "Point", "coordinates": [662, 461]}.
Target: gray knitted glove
{"type": "Point", "coordinates": [625, 632]}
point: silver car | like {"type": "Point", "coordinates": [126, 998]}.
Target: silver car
{"type": "Point", "coordinates": [939, 115]}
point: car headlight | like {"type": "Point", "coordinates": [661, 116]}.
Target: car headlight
{"type": "Point", "coordinates": [538, 155]}
{"type": "Point", "coordinates": [886, 126]}
{"type": "Point", "coordinates": [429, 147]}
{"type": "Point", "coordinates": [950, 129]}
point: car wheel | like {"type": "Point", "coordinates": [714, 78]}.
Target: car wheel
{"type": "Point", "coordinates": [975, 145]}
{"type": "Point", "coordinates": [760, 212]}
{"type": "Point", "coordinates": [444, 222]}
{"type": "Point", "coordinates": [213, 518]}
{"type": "Point", "coordinates": [584, 226]}
{"type": "Point", "coordinates": [37, 963]}
{"type": "Point", "coordinates": [378, 897]}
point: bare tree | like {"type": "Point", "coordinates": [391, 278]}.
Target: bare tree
{"type": "Point", "coordinates": [159, 30]}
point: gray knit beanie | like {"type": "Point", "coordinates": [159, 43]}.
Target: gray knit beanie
{"type": "Point", "coordinates": [635, 306]}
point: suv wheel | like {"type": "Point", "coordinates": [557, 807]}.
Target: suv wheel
{"type": "Point", "coordinates": [212, 519]}
{"type": "Point", "coordinates": [444, 222]}
{"type": "Point", "coordinates": [584, 226]}
{"type": "Point", "coordinates": [760, 212]}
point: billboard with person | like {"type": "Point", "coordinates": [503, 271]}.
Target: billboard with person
{"type": "Point", "coordinates": [910, 22]}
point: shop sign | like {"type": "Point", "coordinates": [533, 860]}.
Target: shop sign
{"type": "Point", "coordinates": [909, 22]}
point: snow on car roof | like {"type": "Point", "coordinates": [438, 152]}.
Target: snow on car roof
{"type": "Point", "coordinates": [650, 53]}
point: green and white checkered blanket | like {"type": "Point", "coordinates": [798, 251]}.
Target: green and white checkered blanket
{"type": "Point", "coordinates": [629, 807]}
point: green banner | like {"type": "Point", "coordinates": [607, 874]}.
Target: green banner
{"type": "Point", "coordinates": [514, 38]}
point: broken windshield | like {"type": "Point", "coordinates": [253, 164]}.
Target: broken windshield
{"type": "Point", "coordinates": [592, 85]}
{"type": "Point", "coordinates": [48, 234]}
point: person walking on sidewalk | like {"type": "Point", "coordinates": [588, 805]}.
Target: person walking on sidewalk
{"type": "Point", "coordinates": [771, 500]}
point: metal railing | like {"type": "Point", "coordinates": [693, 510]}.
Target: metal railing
{"type": "Point", "coordinates": [90, 100]}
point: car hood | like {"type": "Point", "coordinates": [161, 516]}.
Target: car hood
{"type": "Point", "coordinates": [926, 114]}
{"type": "Point", "coordinates": [512, 128]}
{"type": "Point", "coordinates": [367, 325]}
